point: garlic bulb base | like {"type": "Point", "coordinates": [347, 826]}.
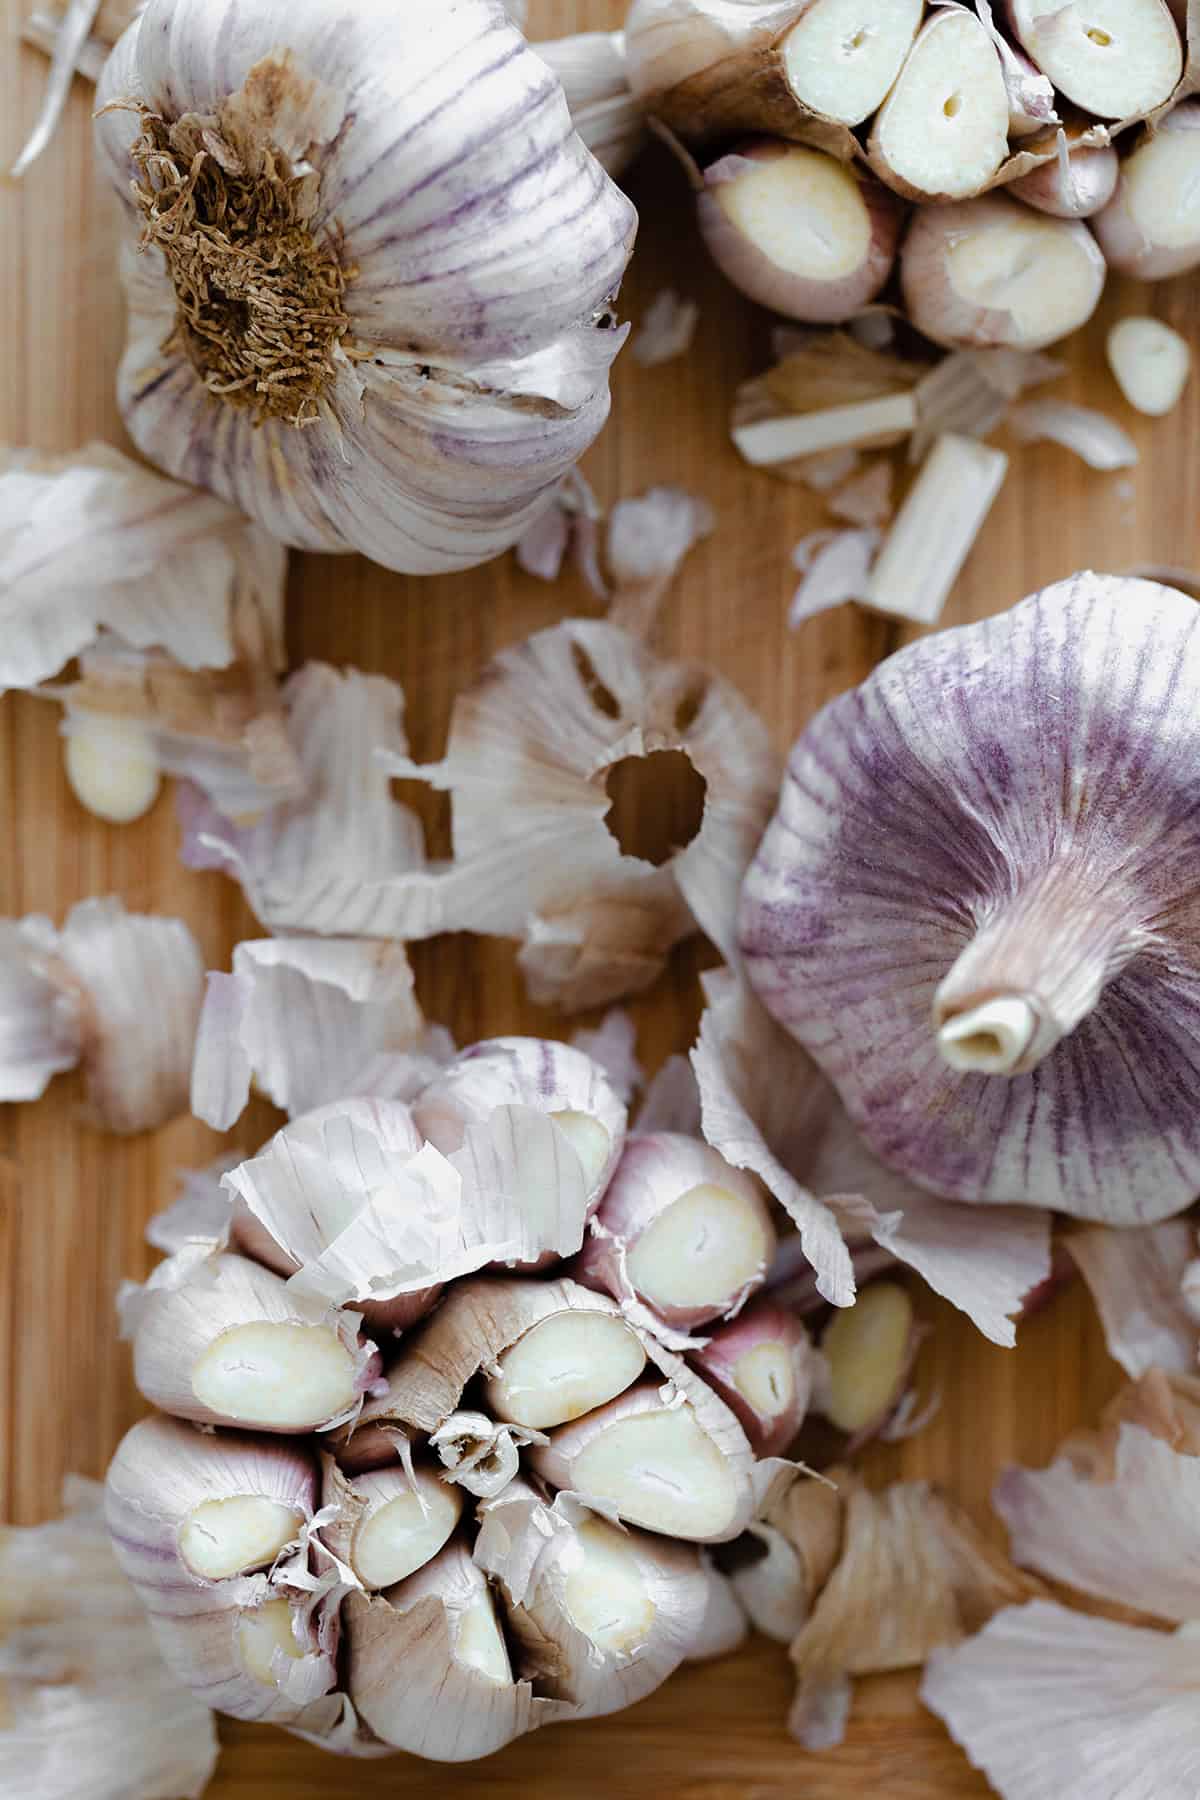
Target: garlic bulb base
{"type": "Point", "coordinates": [991, 1038]}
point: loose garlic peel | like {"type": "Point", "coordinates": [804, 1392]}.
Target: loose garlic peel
{"type": "Point", "coordinates": [283, 1377]}
{"type": "Point", "coordinates": [565, 1367]}
{"type": "Point", "coordinates": [220, 1538]}
{"type": "Point", "coordinates": [702, 1250]}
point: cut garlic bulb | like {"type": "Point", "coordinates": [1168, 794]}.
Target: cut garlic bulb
{"type": "Point", "coordinates": [454, 361]}
{"type": "Point", "coordinates": [942, 132]}
{"type": "Point", "coordinates": [1078, 920]}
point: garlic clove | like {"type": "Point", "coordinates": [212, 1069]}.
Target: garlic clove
{"type": "Point", "coordinates": [724, 1627]}
{"type": "Point", "coordinates": [1148, 229]}
{"type": "Point", "coordinates": [1078, 183]}
{"type": "Point", "coordinates": [768, 1577]}
{"type": "Point", "coordinates": [221, 1538]}
{"type": "Point", "coordinates": [797, 230]}
{"type": "Point", "coordinates": [221, 1341]}
{"type": "Point", "coordinates": [90, 1702]}
{"type": "Point", "coordinates": [869, 1349]}
{"type": "Point", "coordinates": [942, 131]}
{"type": "Point", "coordinates": [989, 271]}
{"type": "Point", "coordinates": [1151, 364]}
{"type": "Point", "coordinates": [563, 1367]}
{"type": "Point", "coordinates": [309, 1021]}
{"type": "Point", "coordinates": [1138, 1281]}
{"type": "Point", "coordinates": [841, 57]}
{"type": "Point", "coordinates": [680, 1230]}
{"type": "Point", "coordinates": [112, 767]}
{"type": "Point", "coordinates": [762, 1366]}
{"type": "Point", "coordinates": [403, 1526]}
{"type": "Point", "coordinates": [1118, 59]}
{"type": "Point", "coordinates": [531, 749]}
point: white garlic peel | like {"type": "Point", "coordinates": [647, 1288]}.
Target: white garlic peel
{"type": "Point", "coordinates": [113, 767]}
{"type": "Point", "coordinates": [441, 329]}
{"type": "Point", "coordinates": [1151, 364]}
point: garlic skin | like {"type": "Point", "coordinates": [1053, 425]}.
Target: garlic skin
{"type": "Point", "coordinates": [1141, 1282]}
{"type": "Point", "coordinates": [595, 81]}
{"type": "Point", "coordinates": [92, 1711]}
{"type": "Point", "coordinates": [41, 1022]}
{"type": "Point", "coordinates": [442, 327]}
{"type": "Point", "coordinates": [1065, 895]}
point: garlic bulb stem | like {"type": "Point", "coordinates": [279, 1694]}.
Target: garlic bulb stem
{"type": "Point", "coordinates": [990, 1039]}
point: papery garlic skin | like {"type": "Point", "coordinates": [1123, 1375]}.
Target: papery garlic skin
{"type": "Point", "coordinates": [447, 323]}
{"type": "Point", "coordinates": [41, 1024]}
{"type": "Point", "coordinates": [1065, 888]}
{"type": "Point", "coordinates": [595, 79]}
{"type": "Point", "coordinates": [92, 1712]}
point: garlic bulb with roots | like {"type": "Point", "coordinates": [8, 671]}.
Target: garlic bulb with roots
{"type": "Point", "coordinates": [369, 277]}
{"type": "Point", "coordinates": [975, 908]}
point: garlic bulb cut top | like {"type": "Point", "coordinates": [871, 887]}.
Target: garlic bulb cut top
{"type": "Point", "coordinates": [369, 267]}
{"type": "Point", "coordinates": [976, 906]}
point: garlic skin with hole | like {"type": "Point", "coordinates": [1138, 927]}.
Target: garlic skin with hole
{"type": "Point", "coordinates": [798, 231]}
{"type": "Point", "coordinates": [222, 1341]}
{"type": "Point", "coordinates": [990, 271]}
{"type": "Point", "coordinates": [1118, 59]}
{"type": "Point", "coordinates": [1151, 364]}
{"type": "Point", "coordinates": [762, 1366]}
{"type": "Point", "coordinates": [598, 1615]}
{"type": "Point", "coordinates": [112, 767]}
{"type": "Point", "coordinates": [1149, 228]}
{"type": "Point", "coordinates": [680, 1230]}
{"type": "Point", "coordinates": [91, 1709]}
{"type": "Point", "coordinates": [1054, 880]}
{"type": "Point", "coordinates": [399, 423]}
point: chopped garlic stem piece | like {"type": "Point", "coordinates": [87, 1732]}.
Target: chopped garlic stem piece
{"type": "Point", "coordinates": [992, 1038]}
{"type": "Point", "coordinates": [805, 434]}
{"type": "Point", "coordinates": [932, 534]}
{"type": "Point", "coordinates": [220, 1538]}
{"type": "Point", "coordinates": [1151, 364]}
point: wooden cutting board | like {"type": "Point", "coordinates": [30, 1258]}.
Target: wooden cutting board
{"type": "Point", "coordinates": [73, 1203]}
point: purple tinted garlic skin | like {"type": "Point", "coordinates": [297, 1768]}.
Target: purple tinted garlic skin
{"type": "Point", "coordinates": [976, 905]}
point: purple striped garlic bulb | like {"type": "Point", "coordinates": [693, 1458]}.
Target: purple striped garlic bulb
{"type": "Point", "coordinates": [369, 267]}
{"type": "Point", "coordinates": [976, 906]}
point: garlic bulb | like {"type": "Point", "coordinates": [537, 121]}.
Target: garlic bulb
{"type": "Point", "coordinates": [454, 274]}
{"type": "Point", "coordinates": [595, 80]}
{"type": "Point", "coordinates": [983, 935]}
{"type": "Point", "coordinates": [536, 752]}
{"type": "Point", "coordinates": [308, 1021]}
{"type": "Point", "coordinates": [91, 1711]}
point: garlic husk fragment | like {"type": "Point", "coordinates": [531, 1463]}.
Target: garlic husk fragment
{"type": "Point", "coordinates": [797, 230]}
{"type": "Point", "coordinates": [429, 1668]}
{"type": "Point", "coordinates": [479, 1454]}
{"type": "Point", "coordinates": [835, 567]}
{"type": "Point", "coordinates": [1151, 364]}
{"type": "Point", "coordinates": [1085, 926]}
{"type": "Point", "coordinates": [41, 1013]}
{"type": "Point", "coordinates": [434, 424]}
{"type": "Point", "coordinates": [71, 43]}
{"type": "Point", "coordinates": [802, 69]}
{"type": "Point", "coordinates": [724, 1626]}
{"type": "Point", "coordinates": [1117, 59]}
{"type": "Point", "coordinates": [792, 1132]}
{"type": "Point", "coordinates": [913, 1574]}
{"type": "Point", "coordinates": [1075, 185]}
{"type": "Point", "coordinates": [1138, 1281]}
{"type": "Point", "coordinates": [198, 1520]}
{"type": "Point", "coordinates": [649, 538]}
{"type": "Point", "coordinates": [135, 984]}
{"type": "Point", "coordinates": [969, 392]}
{"type": "Point", "coordinates": [1031, 98]}
{"type": "Point", "coordinates": [666, 331]}
{"type": "Point", "coordinates": [785, 1559]}
{"type": "Point", "coordinates": [990, 271]}
{"type": "Point", "coordinates": [598, 1616]}
{"type": "Point", "coordinates": [762, 1366]}
{"type": "Point", "coordinates": [595, 82]}
{"type": "Point", "coordinates": [671, 1458]}
{"type": "Point", "coordinates": [221, 1341]}
{"type": "Point", "coordinates": [91, 1712]}
{"type": "Point", "coordinates": [1149, 228]}
{"type": "Point", "coordinates": [825, 398]}
{"type": "Point", "coordinates": [613, 1045]}
{"type": "Point", "coordinates": [1095, 438]}
{"type": "Point", "coordinates": [531, 747]}
{"type": "Point", "coordinates": [308, 1021]}
{"type": "Point", "coordinates": [942, 132]}
{"type": "Point", "coordinates": [679, 1230]}
{"type": "Point", "coordinates": [321, 860]}
{"type": "Point", "coordinates": [389, 1522]}
{"type": "Point", "coordinates": [522, 1335]}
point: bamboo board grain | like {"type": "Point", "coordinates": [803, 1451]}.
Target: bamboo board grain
{"type": "Point", "coordinates": [73, 1204]}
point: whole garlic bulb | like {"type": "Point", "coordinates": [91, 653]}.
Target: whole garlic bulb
{"type": "Point", "coordinates": [977, 907]}
{"type": "Point", "coordinates": [369, 269]}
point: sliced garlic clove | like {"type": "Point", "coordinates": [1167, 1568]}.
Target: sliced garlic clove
{"type": "Point", "coordinates": [762, 1366]}
{"type": "Point", "coordinates": [1148, 229]}
{"type": "Point", "coordinates": [1151, 363]}
{"type": "Point", "coordinates": [1118, 59]}
{"type": "Point", "coordinates": [797, 230]}
{"type": "Point", "coordinates": [221, 1341]}
{"type": "Point", "coordinates": [942, 132]}
{"type": "Point", "coordinates": [563, 1367]}
{"type": "Point", "coordinates": [403, 1525]}
{"type": "Point", "coordinates": [309, 1021]}
{"type": "Point", "coordinates": [842, 57]}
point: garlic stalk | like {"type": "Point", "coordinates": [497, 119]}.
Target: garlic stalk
{"type": "Point", "coordinates": [1048, 934]}
{"type": "Point", "coordinates": [80, 39]}
{"type": "Point", "coordinates": [453, 364]}
{"type": "Point", "coordinates": [429, 1667]}
{"type": "Point", "coordinates": [595, 81]}
{"type": "Point", "coordinates": [598, 1616]}
{"type": "Point", "coordinates": [221, 1341]}
{"type": "Point", "coordinates": [116, 993]}
{"type": "Point", "coordinates": [537, 751]}
{"type": "Point", "coordinates": [308, 1021]}
{"type": "Point", "coordinates": [1148, 229]}
{"type": "Point", "coordinates": [679, 1230]}
{"type": "Point", "coordinates": [91, 1712]}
